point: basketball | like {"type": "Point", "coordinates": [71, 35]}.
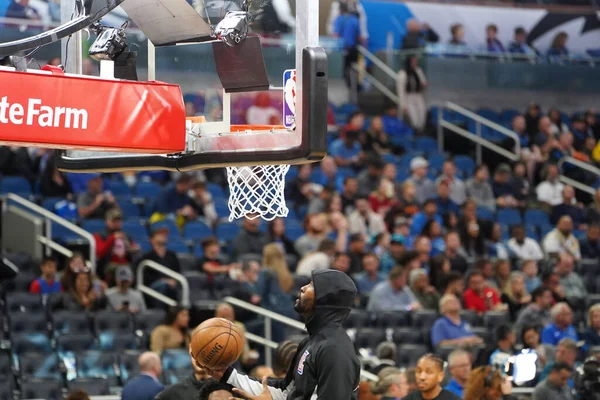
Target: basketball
{"type": "Point", "coordinates": [216, 343]}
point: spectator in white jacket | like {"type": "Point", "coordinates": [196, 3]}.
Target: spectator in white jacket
{"type": "Point", "coordinates": [364, 221]}
{"type": "Point", "coordinates": [561, 239]}
{"type": "Point", "coordinates": [522, 247]}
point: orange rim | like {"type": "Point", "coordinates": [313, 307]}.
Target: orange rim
{"type": "Point", "coordinates": [240, 128]}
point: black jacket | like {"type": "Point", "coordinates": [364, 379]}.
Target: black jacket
{"type": "Point", "coordinates": [326, 363]}
{"type": "Point", "coordinates": [189, 389]}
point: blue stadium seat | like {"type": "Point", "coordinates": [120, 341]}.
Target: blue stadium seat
{"type": "Point", "coordinates": [485, 214]}
{"type": "Point", "coordinates": [147, 189]}
{"type": "Point", "coordinates": [169, 224]}
{"type": "Point", "coordinates": [135, 229]}
{"type": "Point", "coordinates": [36, 365]}
{"type": "Point", "coordinates": [30, 323]}
{"type": "Point", "coordinates": [15, 184]}
{"type": "Point", "coordinates": [69, 322]}
{"type": "Point", "coordinates": [118, 188]}
{"type": "Point", "coordinates": [24, 302]}
{"type": "Point", "coordinates": [6, 370]}
{"type": "Point", "coordinates": [222, 209]}
{"type": "Point", "coordinates": [227, 231]}
{"type": "Point", "coordinates": [531, 232]}
{"type": "Point", "coordinates": [6, 389]}
{"type": "Point", "coordinates": [436, 161]}
{"type": "Point", "coordinates": [176, 376]}
{"type": "Point", "coordinates": [215, 190]}
{"type": "Point", "coordinates": [63, 234]}
{"type": "Point", "coordinates": [31, 344]}
{"type": "Point", "coordinates": [493, 319]}
{"type": "Point", "coordinates": [409, 354]}
{"type": "Point", "coordinates": [389, 158]}
{"type": "Point", "coordinates": [369, 338]}
{"type": "Point", "coordinates": [392, 319]}
{"type": "Point", "coordinates": [198, 250]}
{"type": "Point", "coordinates": [347, 108]}
{"type": "Point", "coordinates": [423, 318]}
{"type": "Point", "coordinates": [97, 364]}
{"type": "Point", "coordinates": [466, 164]}
{"type": "Point", "coordinates": [21, 282]}
{"type": "Point", "coordinates": [294, 232]}
{"type": "Point", "coordinates": [93, 225]}
{"type": "Point", "coordinates": [177, 246]}
{"type": "Point", "coordinates": [175, 359]}
{"type": "Point", "coordinates": [426, 144]}
{"type": "Point", "coordinates": [113, 321]}
{"type": "Point", "coordinates": [73, 343]}
{"type": "Point", "coordinates": [509, 217]}
{"type": "Point", "coordinates": [356, 319]}
{"type": "Point", "coordinates": [148, 320]}
{"type": "Point", "coordinates": [49, 389]}
{"type": "Point", "coordinates": [507, 115]}
{"type": "Point", "coordinates": [118, 341]}
{"type": "Point", "coordinates": [536, 218]}
{"type": "Point", "coordinates": [407, 336]}
{"type": "Point", "coordinates": [128, 364]}
{"type": "Point", "coordinates": [196, 231]}
{"type": "Point", "coordinates": [129, 209]}
{"type": "Point", "coordinates": [92, 386]}
{"type": "Point", "coordinates": [489, 114]}
{"type": "Point", "coordinates": [49, 203]}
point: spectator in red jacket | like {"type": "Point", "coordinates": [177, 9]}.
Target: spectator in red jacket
{"type": "Point", "coordinates": [113, 246]}
{"type": "Point", "coordinates": [480, 298]}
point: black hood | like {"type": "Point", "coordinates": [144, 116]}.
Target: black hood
{"type": "Point", "coordinates": [335, 293]}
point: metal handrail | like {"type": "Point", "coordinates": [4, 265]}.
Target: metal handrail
{"type": "Point", "coordinates": [479, 120]}
{"type": "Point", "coordinates": [266, 341]}
{"type": "Point", "coordinates": [380, 86]}
{"type": "Point", "coordinates": [61, 221]}
{"type": "Point", "coordinates": [582, 165]}
{"type": "Point", "coordinates": [375, 60]}
{"type": "Point", "coordinates": [185, 286]}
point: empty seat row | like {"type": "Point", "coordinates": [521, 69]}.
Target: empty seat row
{"type": "Point", "coordinates": [32, 318]}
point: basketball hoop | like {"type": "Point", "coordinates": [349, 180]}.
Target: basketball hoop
{"type": "Point", "coordinates": [257, 191]}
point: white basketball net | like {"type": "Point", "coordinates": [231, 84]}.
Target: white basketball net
{"type": "Point", "coordinates": [257, 192]}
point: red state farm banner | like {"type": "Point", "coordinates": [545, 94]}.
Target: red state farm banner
{"type": "Point", "coordinates": [73, 112]}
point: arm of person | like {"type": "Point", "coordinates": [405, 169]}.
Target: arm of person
{"type": "Point", "coordinates": [401, 91]}
{"type": "Point", "coordinates": [85, 211]}
{"type": "Point", "coordinates": [215, 269]}
{"type": "Point", "coordinates": [278, 389]}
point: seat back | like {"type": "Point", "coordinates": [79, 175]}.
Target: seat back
{"type": "Point", "coordinates": [113, 321]}
{"type": "Point", "coordinates": [49, 389]}
{"type": "Point", "coordinates": [96, 364]}
{"type": "Point", "coordinates": [36, 365]}
{"type": "Point", "coordinates": [67, 322]}
{"type": "Point", "coordinates": [24, 302]}
{"type": "Point", "coordinates": [92, 386]}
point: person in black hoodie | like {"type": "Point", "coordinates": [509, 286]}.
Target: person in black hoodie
{"type": "Point", "coordinates": [325, 363]}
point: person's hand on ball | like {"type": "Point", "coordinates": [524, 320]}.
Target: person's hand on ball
{"type": "Point", "coordinates": [265, 395]}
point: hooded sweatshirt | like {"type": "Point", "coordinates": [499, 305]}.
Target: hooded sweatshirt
{"type": "Point", "coordinates": [326, 365]}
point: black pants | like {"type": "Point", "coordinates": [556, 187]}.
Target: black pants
{"type": "Point", "coordinates": [350, 57]}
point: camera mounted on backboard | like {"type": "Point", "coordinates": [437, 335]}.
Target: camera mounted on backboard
{"type": "Point", "coordinates": [110, 43]}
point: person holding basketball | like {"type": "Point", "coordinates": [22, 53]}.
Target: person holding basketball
{"type": "Point", "coordinates": [325, 364]}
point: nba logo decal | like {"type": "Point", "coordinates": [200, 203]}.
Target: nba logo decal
{"type": "Point", "coordinates": [289, 98]}
{"type": "Point", "coordinates": [301, 362]}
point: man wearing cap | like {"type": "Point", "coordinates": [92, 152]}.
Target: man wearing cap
{"type": "Point", "coordinates": [122, 297]}
{"type": "Point", "coordinates": [174, 200]}
{"type": "Point", "coordinates": [424, 186]}
{"type": "Point", "coordinates": [94, 204]}
{"type": "Point", "coordinates": [393, 256]}
{"type": "Point", "coordinates": [113, 246]}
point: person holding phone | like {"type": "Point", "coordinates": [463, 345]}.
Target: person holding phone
{"type": "Point", "coordinates": [122, 297]}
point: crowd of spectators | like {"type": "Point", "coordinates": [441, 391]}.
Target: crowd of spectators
{"type": "Point", "coordinates": [494, 264]}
